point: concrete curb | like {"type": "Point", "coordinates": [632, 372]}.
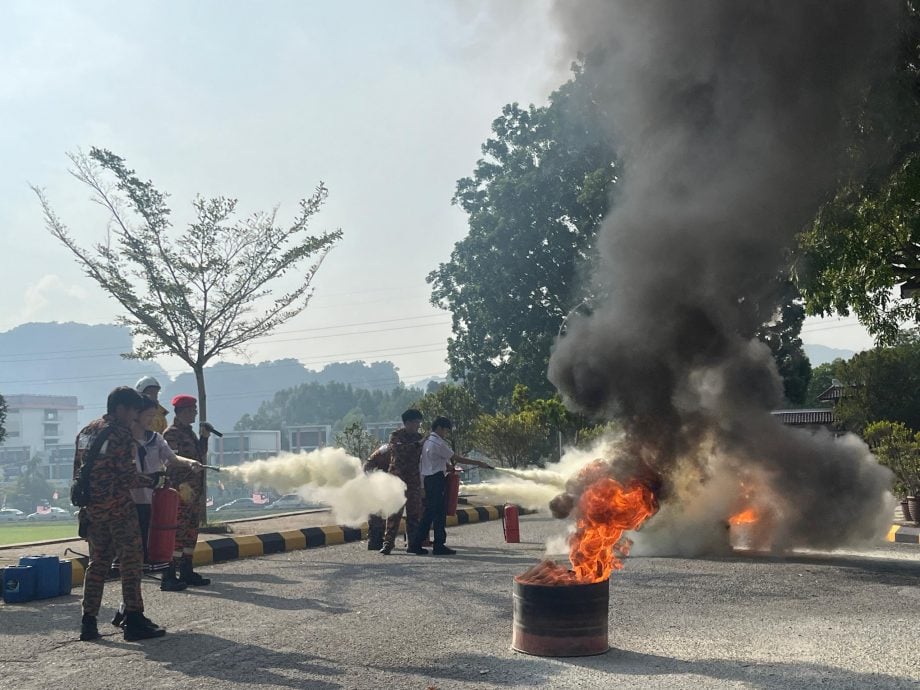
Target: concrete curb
{"type": "Point", "coordinates": [232, 548]}
{"type": "Point", "coordinates": [904, 534]}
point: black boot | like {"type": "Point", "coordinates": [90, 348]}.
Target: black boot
{"type": "Point", "coordinates": [171, 583]}
{"type": "Point", "coordinates": [139, 627]}
{"type": "Point", "coordinates": [119, 618]}
{"type": "Point", "coordinates": [189, 576]}
{"type": "Point", "coordinates": [387, 548]}
{"type": "Point", "coordinates": [88, 628]}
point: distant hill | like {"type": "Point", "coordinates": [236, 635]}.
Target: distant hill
{"type": "Point", "coordinates": [70, 359]}
{"type": "Point", "coordinates": [85, 361]}
{"type": "Point", "coordinates": [822, 354]}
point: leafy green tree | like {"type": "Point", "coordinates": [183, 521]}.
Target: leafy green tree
{"type": "Point", "coordinates": [534, 201]}
{"type": "Point", "coordinates": [31, 489]}
{"type": "Point", "coordinates": [514, 440]}
{"type": "Point", "coordinates": [898, 449]}
{"type": "Point", "coordinates": [822, 377]}
{"type": "Point", "coordinates": [882, 384]}
{"type": "Point", "coordinates": [782, 335]}
{"type": "Point", "coordinates": [866, 240]}
{"type": "Point", "coordinates": [356, 440]}
{"type": "Point", "coordinates": [207, 290]}
{"type": "Point", "coordinates": [457, 403]}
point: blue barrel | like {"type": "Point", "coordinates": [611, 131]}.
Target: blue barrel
{"type": "Point", "coordinates": [66, 582]}
{"type": "Point", "coordinates": [18, 584]}
{"type": "Point", "coordinates": [47, 575]}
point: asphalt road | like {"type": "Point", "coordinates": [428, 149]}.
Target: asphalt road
{"type": "Point", "coordinates": [343, 617]}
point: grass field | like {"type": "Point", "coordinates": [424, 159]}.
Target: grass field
{"type": "Point", "coordinates": [18, 532]}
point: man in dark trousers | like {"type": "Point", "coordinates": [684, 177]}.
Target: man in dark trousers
{"type": "Point", "coordinates": [405, 451]}
{"type": "Point", "coordinates": [379, 461]}
{"type": "Point", "coordinates": [109, 519]}
{"type": "Point", "coordinates": [437, 456]}
{"type": "Point", "coordinates": [185, 443]}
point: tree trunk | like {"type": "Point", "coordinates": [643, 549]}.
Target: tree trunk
{"type": "Point", "coordinates": [202, 417]}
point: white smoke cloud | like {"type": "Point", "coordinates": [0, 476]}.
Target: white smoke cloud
{"type": "Point", "coordinates": [330, 476]}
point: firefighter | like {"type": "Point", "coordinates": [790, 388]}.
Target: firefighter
{"type": "Point", "coordinates": [109, 520]}
{"type": "Point", "coordinates": [191, 486]}
{"type": "Point", "coordinates": [379, 461]}
{"type": "Point", "coordinates": [149, 387]}
{"type": "Point", "coordinates": [405, 452]}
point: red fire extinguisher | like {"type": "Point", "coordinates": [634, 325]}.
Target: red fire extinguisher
{"type": "Point", "coordinates": [510, 524]}
{"type": "Point", "coordinates": [161, 538]}
{"type": "Point", "coordinates": [452, 491]}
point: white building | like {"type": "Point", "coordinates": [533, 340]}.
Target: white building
{"type": "Point", "coordinates": [237, 447]}
{"type": "Point", "coordinates": [36, 425]}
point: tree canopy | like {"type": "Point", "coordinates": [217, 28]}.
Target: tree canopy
{"type": "Point", "coordinates": [534, 202]}
{"type": "Point", "coordinates": [206, 290]}
{"type": "Point", "coordinates": [2, 418]}
{"type": "Point", "coordinates": [456, 403]}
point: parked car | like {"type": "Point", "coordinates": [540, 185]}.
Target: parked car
{"type": "Point", "coordinates": [11, 515]}
{"type": "Point", "coordinates": [52, 514]}
{"type": "Point", "coordinates": [239, 504]}
{"type": "Point", "coordinates": [288, 502]}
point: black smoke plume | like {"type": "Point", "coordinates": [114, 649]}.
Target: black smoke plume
{"type": "Point", "coordinates": [735, 121]}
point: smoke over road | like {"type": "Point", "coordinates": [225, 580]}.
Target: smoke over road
{"type": "Point", "coordinates": [732, 121]}
{"type": "Point", "coordinates": [330, 476]}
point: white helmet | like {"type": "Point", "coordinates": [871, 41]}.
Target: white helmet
{"type": "Point", "coordinates": [146, 383]}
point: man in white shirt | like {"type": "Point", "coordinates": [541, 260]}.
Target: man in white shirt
{"type": "Point", "coordinates": [436, 456]}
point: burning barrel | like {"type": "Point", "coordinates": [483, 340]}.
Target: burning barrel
{"type": "Point", "coordinates": [561, 620]}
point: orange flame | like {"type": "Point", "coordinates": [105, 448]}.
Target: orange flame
{"type": "Point", "coordinates": [745, 517]}
{"type": "Point", "coordinates": [606, 510]}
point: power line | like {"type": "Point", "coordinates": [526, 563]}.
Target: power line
{"type": "Point", "coordinates": [113, 350]}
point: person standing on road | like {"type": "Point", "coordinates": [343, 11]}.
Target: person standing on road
{"type": "Point", "coordinates": [190, 484]}
{"type": "Point", "coordinates": [436, 456]}
{"type": "Point", "coordinates": [405, 452]}
{"type": "Point", "coordinates": [109, 520]}
{"type": "Point", "coordinates": [379, 461]}
{"type": "Point", "coordinates": [149, 387]}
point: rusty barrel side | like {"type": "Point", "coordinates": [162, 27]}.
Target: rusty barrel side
{"type": "Point", "coordinates": [561, 620]}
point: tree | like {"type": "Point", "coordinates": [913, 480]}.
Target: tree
{"type": "Point", "coordinates": [822, 377]}
{"type": "Point", "coordinates": [2, 418]}
{"type": "Point", "coordinates": [32, 489]}
{"type": "Point", "coordinates": [782, 336]}
{"type": "Point", "coordinates": [513, 440]}
{"type": "Point", "coordinates": [534, 201]}
{"type": "Point", "coordinates": [866, 240]}
{"type": "Point", "coordinates": [202, 292]}
{"type": "Point", "coordinates": [457, 403]}
{"type": "Point", "coordinates": [355, 439]}
{"type": "Point", "coordinates": [882, 384]}
{"type": "Point", "coordinates": [898, 449]}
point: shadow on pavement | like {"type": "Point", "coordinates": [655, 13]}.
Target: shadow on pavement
{"type": "Point", "coordinates": [43, 616]}
{"type": "Point", "coordinates": [256, 595]}
{"type": "Point", "coordinates": [206, 656]}
{"type": "Point", "coordinates": [768, 676]}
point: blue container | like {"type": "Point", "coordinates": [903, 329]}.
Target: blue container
{"type": "Point", "coordinates": [66, 581]}
{"type": "Point", "coordinates": [18, 584]}
{"type": "Point", "coordinates": [47, 575]}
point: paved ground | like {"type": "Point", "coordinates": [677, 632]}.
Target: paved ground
{"type": "Point", "coordinates": [343, 617]}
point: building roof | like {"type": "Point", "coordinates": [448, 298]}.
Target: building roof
{"type": "Point", "coordinates": [800, 417]}
{"type": "Point", "coordinates": [50, 402]}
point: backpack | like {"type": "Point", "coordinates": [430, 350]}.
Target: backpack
{"type": "Point", "coordinates": [79, 488]}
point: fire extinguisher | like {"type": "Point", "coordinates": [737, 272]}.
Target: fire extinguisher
{"type": "Point", "coordinates": [510, 524]}
{"type": "Point", "coordinates": [452, 492]}
{"type": "Point", "coordinates": [161, 538]}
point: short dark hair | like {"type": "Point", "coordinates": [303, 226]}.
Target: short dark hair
{"type": "Point", "coordinates": [123, 396]}
{"type": "Point", "coordinates": [411, 415]}
{"type": "Point", "coordinates": [148, 404]}
{"type": "Point", "coordinates": [441, 423]}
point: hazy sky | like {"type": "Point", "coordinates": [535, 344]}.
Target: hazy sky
{"type": "Point", "coordinates": [388, 103]}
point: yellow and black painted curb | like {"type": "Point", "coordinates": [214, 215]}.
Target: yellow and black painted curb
{"type": "Point", "coordinates": [904, 534]}
{"type": "Point", "coordinates": [232, 548]}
